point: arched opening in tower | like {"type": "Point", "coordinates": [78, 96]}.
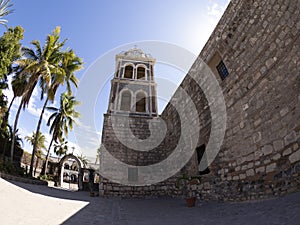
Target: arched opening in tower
{"type": "Point", "coordinates": [141, 73]}
{"type": "Point", "coordinates": [125, 101]}
{"type": "Point", "coordinates": [140, 102]}
{"type": "Point", "coordinates": [128, 72]}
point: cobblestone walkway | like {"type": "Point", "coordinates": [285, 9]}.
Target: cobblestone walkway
{"type": "Point", "coordinates": [34, 204]}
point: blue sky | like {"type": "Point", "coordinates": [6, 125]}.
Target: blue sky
{"type": "Point", "coordinates": [93, 28]}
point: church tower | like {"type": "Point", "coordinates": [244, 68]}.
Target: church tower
{"type": "Point", "coordinates": [133, 89]}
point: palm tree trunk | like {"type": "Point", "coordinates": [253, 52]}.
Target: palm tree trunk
{"type": "Point", "coordinates": [36, 165]}
{"type": "Point", "coordinates": [36, 137]}
{"type": "Point", "coordinates": [44, 171]}
{"type": "Point", "coordinates": [14, 132]}
{"type": "Point", "coordinates": [10, 104]}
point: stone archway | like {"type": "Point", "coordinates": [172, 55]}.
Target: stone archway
{"type": "Point", "coordinates": [61, 170]}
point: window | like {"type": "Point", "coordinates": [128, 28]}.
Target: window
{"type": "Point", "coordinates": [141, 73]}
{"type": "Point", "coordinates": [67, 166]}
{"type": "Point", "coordinates": [140, 102]}
{"type": "Point", "coordinates": [218, 66]}
{"type": "Point", "coordinates": [200, 154]}
{"type": "Point", "coordinates": [222, 70]}
{"type": "Point", "coordinates": [128, 72]}
{"type": "Point", "coordinates": [125, 101]}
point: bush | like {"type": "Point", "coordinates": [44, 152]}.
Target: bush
{"type": "Point", "coordinates": [45, 177]}
{"type": "Point", "coordinates": [11, 168]}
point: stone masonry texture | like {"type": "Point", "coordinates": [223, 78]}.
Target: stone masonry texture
{"type": "Point", "coordinates": [258, 41]}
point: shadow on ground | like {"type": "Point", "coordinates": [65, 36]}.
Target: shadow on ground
{"type": "Point", "coordinates": [164, 211]}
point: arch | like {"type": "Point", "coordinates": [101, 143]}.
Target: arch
{"type": "Point", "coordinates": [96, 177]}
{"type": "Point", "coordinates": [141, 102]}
{"type": "Point", "coordinates": [74, 166]}
{"type": "Point", "coordinates": [74, 178]}
{"type": "Point", "coordinates": [128, 71]}
{"type": "Point", "coordinates": [86, 176]}
{"type": "Point", "coordinates": [141, 72]}
{"type": "Point", "coordinates": [61, 169]}
{"type": "Point", "coordinates": [125, 100]}
{"type": "Point", "coordinates": [66, 166]}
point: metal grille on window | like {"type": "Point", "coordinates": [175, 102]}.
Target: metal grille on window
{"type": "Point", "coordinates": [222, 70]}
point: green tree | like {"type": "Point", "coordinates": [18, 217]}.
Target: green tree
{"type": "Point", "coordinates": [5, 6]}
{"type": "Point", "coordinates": [61, 120]}
{"type": "Point", "coordinates": [40, 145]}
{"type": "Point", "coordinates": [61, 147]}
{"type": "Point", "coordinates": [59, 65]}
{"type": "Point", "coordinates": [44, 65]}
{"type": "Point", "coordinates": [83, 159]}
{"type": "Point", "coordinates": [9, 52]}
{"type": "Point", "coordinates": [18, 84]}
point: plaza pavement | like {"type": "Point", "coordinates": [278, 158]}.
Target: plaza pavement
{"type": "Point", "coordinates": [41, 205]}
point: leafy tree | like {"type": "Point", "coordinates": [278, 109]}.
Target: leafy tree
{"type": "Point", "coordinates": [51, 67]}
{"type": "Point", "coordinates": [5, 6]}
{"type": "Point", "coordinates": [62, 120]}
{"type": "Point", "coordinates": [18, 83]}
{"type": "Point", "coordinates": [9, 52]}
{"type": "Point", "coordinates": [45, 66]}
{"type": "Point", "coordinates": [40, 145]}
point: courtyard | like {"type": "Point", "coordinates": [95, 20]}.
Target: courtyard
{"type": "Point", "coordinates": [35, 204]}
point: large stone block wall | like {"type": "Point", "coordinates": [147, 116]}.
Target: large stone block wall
{"type": "Point", "coordinates": [260, 156]}
{"type": "Point", "coordinates": [258, 40]}
{"type": "Point", "coordinates": [117, 129]}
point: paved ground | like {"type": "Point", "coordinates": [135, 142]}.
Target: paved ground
{"type": "Point", "coordinates": [32, 204]}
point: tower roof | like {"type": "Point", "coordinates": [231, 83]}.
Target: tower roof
{"type": "Point", "coordinates": [135, 54]}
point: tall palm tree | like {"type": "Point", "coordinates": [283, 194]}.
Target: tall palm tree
{"type": "Point", "coordinates": [39, 64]}
{"type": "Point", "coordinates": [61, 148]}
{"type": "Point", "coordinates": [5, 6]}
{"type": "Point", "coordinates": [83, 159]}
{"type": "Point", "coordinates": [69, 63]}
{"type": "Point", "coordinates": [18, 83]}
{"type": "Point", "coordinates": [62, 120]}
{"type": "Point", "coordinates": [40, 145]}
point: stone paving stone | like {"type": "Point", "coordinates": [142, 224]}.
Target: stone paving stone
{"type": "Point", "coordinates": [126, 211]}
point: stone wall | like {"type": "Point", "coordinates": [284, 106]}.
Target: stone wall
{"type": "Point", "coordinates": [260, 157]}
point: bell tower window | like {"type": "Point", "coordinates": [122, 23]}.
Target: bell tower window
{"type": "Point", "coordinates": [125, 101]}
{"type": "Point", "coordinates": [140, 105]}
{"type": "Point", "coordinates": [128, 74]}
{"type": "Point", "coordinates": [141, 73]}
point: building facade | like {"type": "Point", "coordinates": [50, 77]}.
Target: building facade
{"type": "Point", "coordinates": [254, 55]}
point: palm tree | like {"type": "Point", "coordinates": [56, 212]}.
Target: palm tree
{"type": "Point", "coordinates": [4, 10]}
{"type": "Point", "coordinates": [18, 84]}
{"type": "Point", "coordinates": [61, 148]}
{"type": "Point", "coordinates": [69, 63]}
{"type": "Point", "coordinates": [40, 145]}
{"type": "Point", "coordinates": [62, 120]}
{"type": "Point", "coordinates": [83, 159]}
{"type": "Point", "coordinates": [98, 155]}
{"type": "Point", "coordinates": [39, 65]}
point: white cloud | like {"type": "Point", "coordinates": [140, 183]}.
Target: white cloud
{"type": "Point", "coordinates": [216, 10]}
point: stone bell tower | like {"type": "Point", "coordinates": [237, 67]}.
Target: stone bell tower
{"type": "Point", "coordinates": [133, 89]}
{"type": "Point", "coordinates": [131, 127]}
